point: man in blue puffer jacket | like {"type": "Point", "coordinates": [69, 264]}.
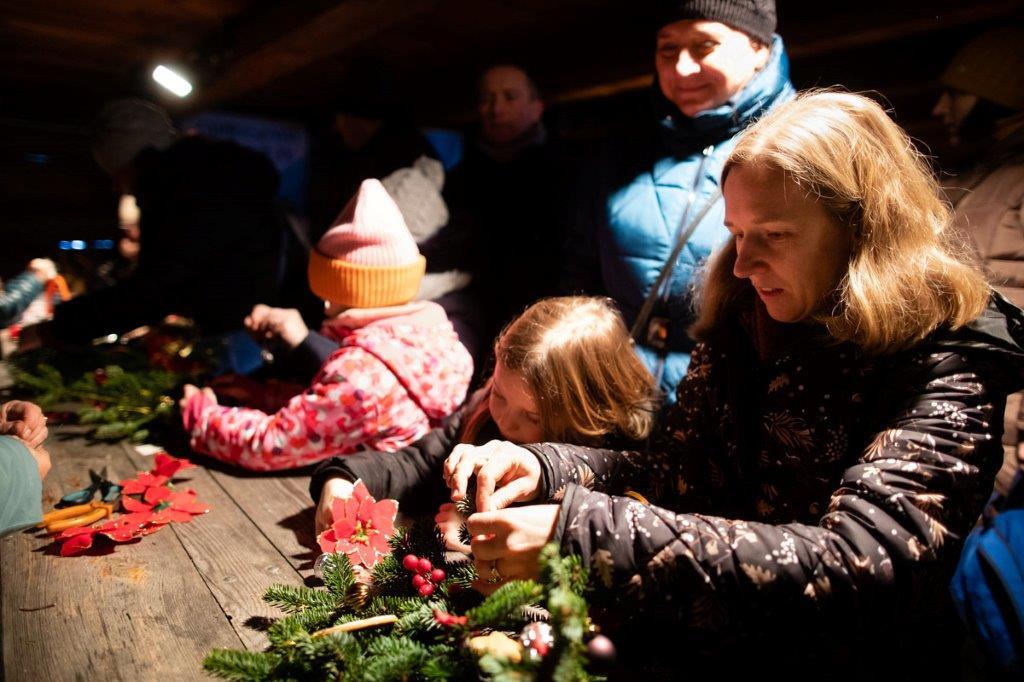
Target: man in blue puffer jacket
{"type": "Point", "coordinates": [719, 67]}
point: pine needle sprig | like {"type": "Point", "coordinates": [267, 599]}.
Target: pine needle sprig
{"type": "Point", "coordinates": [295, 599]}
{"type": "Point", "coordinates": [241, 666]}
{"type": "Point", "coordinates": [505, 604]}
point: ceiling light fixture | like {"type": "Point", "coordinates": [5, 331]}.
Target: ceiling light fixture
{"type": "Point", "coordinates": [172, 80]}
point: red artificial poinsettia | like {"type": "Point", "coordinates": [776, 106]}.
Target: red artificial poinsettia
{"type": "Point", "coordinates": [164, 469]}
{"type": "Point", "coordinates": [166, 465]}
{"type": "Point", "coordinates": [361, 527]}
{"type": "Point", "coordinates": [159, 506]}
{"type": "Point", "coordinates": [142, 482]}
{"type": "Point", "coordinates": [124, 528]}
{"type": "Point", "coordinates": [166, 505]}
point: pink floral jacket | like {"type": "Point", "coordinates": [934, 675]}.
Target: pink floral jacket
{"type": "Point", "coordinates": [390, 382]}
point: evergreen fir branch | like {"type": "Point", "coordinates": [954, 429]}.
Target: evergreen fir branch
{"type": "Point", "coordinates": [393, 658]}
{"type": "Point", "coordinates": [312, 619]}
{"type": "Point", "coordinates": [338, 575]}
{"type": "Point", "coordinates": [293, 599]}
{"type": "Point", "coordinates": [503, 670]}
{"type": "Point", "coordinates": [389, 577]}
{"type": "Point", "coordinates": [419, 619]}
{"type": "Point", "coordinates": [398, 606]}
{"type": "Point", "coordinates": [284, 633]}
{"type": "Point", "coordinates": [504, 604]}
{"type": "Point", "coordinates": [241, 666]}
{"type": "Point", "coordinates": [443, 665]}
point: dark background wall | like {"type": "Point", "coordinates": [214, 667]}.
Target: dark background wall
{"type": "Point", "coordinates": [59, 60]}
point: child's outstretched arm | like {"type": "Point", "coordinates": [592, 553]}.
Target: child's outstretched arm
{"type": "Point", "coordinates": [354, 401]}
{"type": "Point", "coordinates": [411, 475]}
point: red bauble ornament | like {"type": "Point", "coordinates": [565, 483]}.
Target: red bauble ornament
{"type": "Point", "coordinates": [424, 566]}
{"type": "Point", "coordinates": [418, 581]}
{"type": "Point", "coordinates": [437, 575]}
{"type": "Point", "coordinates": [426, 589]}
{"type": "Point", "coordinates": [411, 562]}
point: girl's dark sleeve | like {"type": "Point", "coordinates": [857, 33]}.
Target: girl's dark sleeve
{"type": "Point", "coordinates": [897, 512]}
{"type": "Point", "coordinates": [306, 359]}
{"type": "Point", "coordinates": [671, 468]}
{"type": "Point", "coordinates": [412, 475]}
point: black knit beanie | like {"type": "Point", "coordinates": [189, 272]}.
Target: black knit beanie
{"type": "Point", "coordinates": [756, 18]}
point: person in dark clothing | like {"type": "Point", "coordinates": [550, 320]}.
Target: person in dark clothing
{"type": "Point", "coordinates": [209, 229]}
{"type": "Point", "coordinates": [508, 198]}
{"type": "Point", "coordinates": [833, 441]}
{"type": "Point", "coordinates": [359, 144]}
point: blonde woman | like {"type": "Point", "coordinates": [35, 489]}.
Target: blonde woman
{"type": "Point", "coordinates": [564, 370]}
{"type": "Point", "coordinates": [834, 439]}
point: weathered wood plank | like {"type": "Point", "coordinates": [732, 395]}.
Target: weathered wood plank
{"type": "Point", "coordinates": [281, 507]}
{"type": "Point", "coordinates": [140, 612]}
{"type": "Point", "coordinates": [235, 558]}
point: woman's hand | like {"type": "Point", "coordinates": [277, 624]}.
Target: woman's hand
{"type": "Point", "coordinates": [449, 521]}
{"type": "Point", "coordinates": [191, 391]}
{"type": "Point", "coordinates": [334, 489]}
{"type": "Point", "coordinates": [26, 421]}
{"type": "Point", "coordinates": [505, 473]}
{"type": "Point", "coordinates": [42, 458]}
{"type": "Point", "coordinates": [506, 544]}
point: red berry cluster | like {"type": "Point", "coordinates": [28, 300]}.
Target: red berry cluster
{"type": "Point", "coordinates": [425, 576]}
{"type": "Point", "coordinates": [449, 619]}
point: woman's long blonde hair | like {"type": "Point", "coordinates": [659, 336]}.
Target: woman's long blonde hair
{"type": "Point", "coordinates": [577, 357]}
{"type": "Point", "coordinates": [909, 272]}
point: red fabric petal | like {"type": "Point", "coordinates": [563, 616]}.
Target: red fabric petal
{"type": "Point", "coordinates": [382, 516]}
{"type": "Point", "coordinates": [379, 543]}
{"type": "Point", "coordinates": [186, 501]}
{"type": "Point", "coordinates": [166, 465]}
{"type": "Point", "coordinates": [177, 515]}
{"type": "Point", "coordinates": [327, 541]}
{"type": "Point", "coordinates": [367, 557]}
{"type": "Point", "coordinates": [72, 532]}
{"type": "Point", "coordinates": [360, 492]}
{"type": "Point", "coordinates": [162, 516]}
{"type": "Point", "coordinates": [132, 487]}
{"type": "Point", "coordinates": [77, 543]}
{"type": "Point", "coordinates": [155, 496]}
{"type": "Point", "coordinates": [133, 505]}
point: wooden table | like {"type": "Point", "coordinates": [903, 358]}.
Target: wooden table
{"type": "Point", "coordinates": [152, 609]}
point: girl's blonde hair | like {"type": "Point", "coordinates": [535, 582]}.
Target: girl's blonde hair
{"type": "Point", "coordinates": [577, 357]}
{"type": "Point", "coordinates": [909, 272]}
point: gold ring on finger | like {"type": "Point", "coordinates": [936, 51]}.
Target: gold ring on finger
{"type": "Point", "coordinates": [495, 573]}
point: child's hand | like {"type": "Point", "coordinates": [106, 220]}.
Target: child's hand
{"type": "Point", "coordinates": [190, 391]}
{"type": "Point", "coordinates": [505, 473]}
{"type": "Point", "coordinates": [334, 489]}
{"type": "Point", "coordinates": [283, 324]}
{"type": "Point", "coordinates": [43, 269]}
{"type": "Point", "coordinates": [449, 521]}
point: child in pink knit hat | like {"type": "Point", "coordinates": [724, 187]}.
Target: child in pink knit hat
{"type": "Point", "coordinates": [399, 371]}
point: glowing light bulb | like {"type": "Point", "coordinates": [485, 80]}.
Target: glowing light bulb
{"type": "Point", "coordinates": [172, 80]}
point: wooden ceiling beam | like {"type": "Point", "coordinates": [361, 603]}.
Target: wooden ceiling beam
{"type": "Point", "coordinates": [334, 30]}
{"type": "Point", "coordinates": [884, 33]}
{"type": "Point", "coordinates": [948, 19]}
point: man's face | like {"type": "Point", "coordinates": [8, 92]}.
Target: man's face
{"type": "Point", "coordinates": [701, 64]}
{"type": "Point", "coordinates": [508, 105]}
{"type": "Point", "coordinates": [953, 107]}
